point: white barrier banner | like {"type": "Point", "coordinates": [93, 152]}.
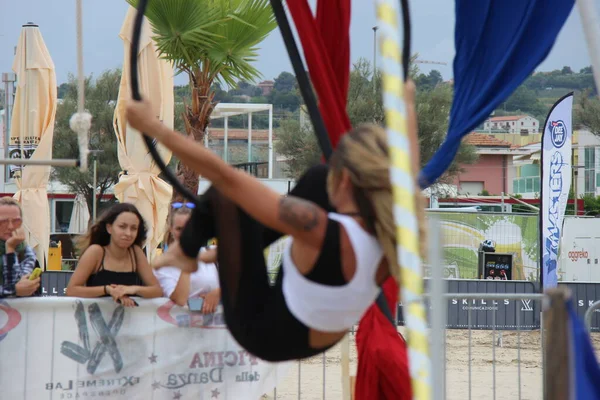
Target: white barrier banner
{"type": "Point", "coordinates": [66, 348]}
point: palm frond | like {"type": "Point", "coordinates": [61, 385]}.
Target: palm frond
{"type": "Point", "coordinates": [222, 35]}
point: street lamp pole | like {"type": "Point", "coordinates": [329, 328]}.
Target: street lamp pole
{"type": "Point", "coordinates": [95, 183]}
{"type": "Point", "coordinates": [375, 57]}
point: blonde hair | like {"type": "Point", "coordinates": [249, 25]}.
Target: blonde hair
{"type": "Point", "coordinates": [10, 201]}
{"type": "Point", "coordinates": [168, 238]}
{"type": "Point", "coordinates": [363, 152]}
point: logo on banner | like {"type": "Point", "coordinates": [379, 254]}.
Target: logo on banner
{"type": "Point", "coordinates": [554, 225]}
{"type": "Point", "coordinates": [11, 319]}
{"type": "Point", "coordinates": [106, 343]}
{"type": "Point", "coordinates": [558, 133]}
{"type": "Point", "coordinates": [527, 306]}
{"type": "Point", "coordinates": [91, 355]}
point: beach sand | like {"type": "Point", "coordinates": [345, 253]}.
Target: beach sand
{"type": "Point", "coordinates": [457, 368]}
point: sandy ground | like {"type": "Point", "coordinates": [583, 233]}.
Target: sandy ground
{"type": "Point", "coordinates": [507, 364]}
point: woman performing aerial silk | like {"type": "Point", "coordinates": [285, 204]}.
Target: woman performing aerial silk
{"type": "Point", "coordinates": [333, 266]}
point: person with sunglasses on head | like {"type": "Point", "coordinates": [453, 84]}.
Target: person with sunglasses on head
{"type": "Point", "coordinates": [17, 259]}
{"type": "Point", "coordinates": [180, 286]}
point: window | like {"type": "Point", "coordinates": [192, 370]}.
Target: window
{"type": "Point", "coordinates": [522, 123]}
{"type": "Point", "coordinates": [534, 124]}
{"type": "Point", "coordinates": [471, 188]}
{"type": "Point", "coordinates": [590, 170]}
{"type": "Point", "coordinates": [62, 215]}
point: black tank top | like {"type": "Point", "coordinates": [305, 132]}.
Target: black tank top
{"type": "Point", "coordinates": [328, 267]}
{"type": "Point", "coordinates": [104, 277]}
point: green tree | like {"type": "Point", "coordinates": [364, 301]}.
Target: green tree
{"type": "Point", "coordinates": [210, 41]}
{"type": "Point", "coordinates": [285, 82]}
{"type": "Point", "coordinates": [588, 112]}
{"type": "Point", "coordinates": [433, 112]}
{"type": "Point", "coordinates": [524, 100]}
{"type": "Point", "coordinates": [101, 97]}
{"type": "Point", "coordinates": [566, 70]}
{"type": "Point", "coordinates": [299, 146]}
{"type": "Point", "coordinates": [62, 90]}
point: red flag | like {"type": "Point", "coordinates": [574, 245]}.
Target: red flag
{"type": "Point", "coordinates": [382, 358]}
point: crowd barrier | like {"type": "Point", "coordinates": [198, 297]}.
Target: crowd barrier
{"type": "Point", "coordinates": [482, 311]}
{"type": "Point", "coordinates": [67, 348]}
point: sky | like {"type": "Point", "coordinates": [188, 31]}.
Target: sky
{"type": "Point", "coordinates": [432, 22]}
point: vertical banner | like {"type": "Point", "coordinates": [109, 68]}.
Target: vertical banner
{"type": "Point", "coordinates": [555, 185]}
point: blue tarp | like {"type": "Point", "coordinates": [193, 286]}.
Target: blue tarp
{"type": "Point", "coordinates": [585, 372]}
{"type": "Point", "coordinates": [498, 45]}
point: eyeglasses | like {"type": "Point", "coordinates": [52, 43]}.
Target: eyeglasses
{"type": "Point", "coordinates": [16, 222]}
{"type": "Point", "coordinates": [180, 205]}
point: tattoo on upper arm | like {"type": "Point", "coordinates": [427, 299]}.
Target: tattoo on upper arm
{"type": "Point", "coordinates": [300, 214]}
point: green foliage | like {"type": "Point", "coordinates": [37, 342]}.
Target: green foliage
{"type": "Point", "coordinates": [591, 204]}
{"type": "Point", "coordinates": [588, 113]}
{"type": "Point", "coordinates": [101, 96]}
{"type": "Point", "coordinates": [365, 104]}
{"type": "Point", "coordinates": [524, 100]}
{"type": "Point", "coordinates": [285, 82]}
{"type": "Point", "coordinates": [429, 81]}
{"type": "Point", "coordinates": [433, 111]}
{"type": "Point", "coordinates": [298, 144]}
{"type": "Point", "coordinates": [216, 36]}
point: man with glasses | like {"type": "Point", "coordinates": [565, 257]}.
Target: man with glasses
{"type": "Point", "coordinates": [17, 259]}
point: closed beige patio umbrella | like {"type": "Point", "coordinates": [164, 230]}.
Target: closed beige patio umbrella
{"type": "Point", "coordinates": [140, 184]}
{"type": "Point", "coordinates": [32, 125]}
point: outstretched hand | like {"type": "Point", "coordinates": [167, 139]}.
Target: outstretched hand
{"type": "Point", "coordinates": [174, 257]}
{"type": "Point", "coordinates": [141, 117]}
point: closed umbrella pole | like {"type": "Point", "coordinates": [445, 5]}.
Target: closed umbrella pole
{"type": "Point", "coordinates": [141, 185]}
{"type": "Point", "coordinates": [31, 134]}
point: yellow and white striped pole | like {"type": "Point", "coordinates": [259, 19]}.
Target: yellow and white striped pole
{"type": "Point", "coordinates": [404, 187]}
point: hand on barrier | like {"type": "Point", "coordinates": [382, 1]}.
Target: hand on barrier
{"type": "Point", "coordinates": [211, 300]}
{"type": "Point", "coordinates": [127, 301]}
{"type": "Point", "coordinates": [25, 287]}
{"type": "Point", "coordinates": [121, 293]}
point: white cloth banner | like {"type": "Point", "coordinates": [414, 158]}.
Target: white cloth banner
{"type": "Point", "coordinates": [557, 140]}
{"type": "Point", "coordinates": [68, 348]}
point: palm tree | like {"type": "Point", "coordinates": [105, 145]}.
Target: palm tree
{"type": "Point", "coordinates": [212, 41]}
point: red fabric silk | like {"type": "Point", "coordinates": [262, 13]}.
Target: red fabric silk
{"type": "Point", "coordinates": [382, 355]}
{"type": "Point", "coordinates": [382, 372]}
{"type": "Point", "coordinates": [319, 57]}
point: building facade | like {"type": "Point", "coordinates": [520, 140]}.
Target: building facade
{"type": "Point", "coordinates": [515, 124]}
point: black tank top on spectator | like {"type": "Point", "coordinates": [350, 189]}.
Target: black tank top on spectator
{"type": "Point", "coordinates": [104, 277]}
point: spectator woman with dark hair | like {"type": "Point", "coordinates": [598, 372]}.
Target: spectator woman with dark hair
{"type": "Point", "coordinates": [113, 263]}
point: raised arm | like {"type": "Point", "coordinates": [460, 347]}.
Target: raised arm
{"type": "Point", "coordinates": [296, 217]}
{"type": "Point", "coordinates": [88, 262]}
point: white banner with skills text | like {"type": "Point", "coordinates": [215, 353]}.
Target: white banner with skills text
{"type": "Point", "coordinates": [67, 348]}
{"type": "Point", "coordinates": [556, 173]}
